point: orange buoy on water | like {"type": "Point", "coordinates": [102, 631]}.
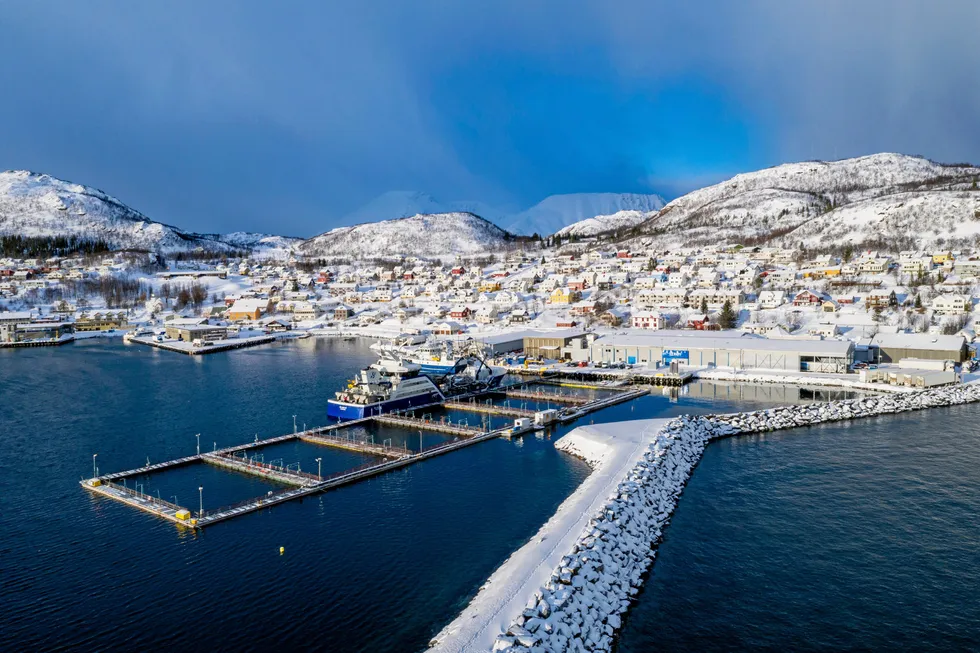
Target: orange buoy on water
{"type": "Point", "coordinates": [282, 550]}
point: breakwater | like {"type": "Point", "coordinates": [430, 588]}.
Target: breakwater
{"type": "Point", "coordinates": [579, 608]}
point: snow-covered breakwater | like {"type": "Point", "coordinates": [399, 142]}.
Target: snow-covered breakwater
{"type": "Point", "coordinates": [579, 608]}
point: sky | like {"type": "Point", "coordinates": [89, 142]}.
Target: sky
{"type": "Point", "coordinates": [285, 117]}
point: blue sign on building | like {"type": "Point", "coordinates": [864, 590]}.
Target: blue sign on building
{"type": "Point", "coordinates": [675, 354]}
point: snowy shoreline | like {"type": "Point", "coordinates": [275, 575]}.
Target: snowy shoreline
{"type": "Point", "coordinates": [578, 605]}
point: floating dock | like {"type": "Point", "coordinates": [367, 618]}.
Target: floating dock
{"type": "Point", "coordinates": [302, 484]}
{"type": "Point", "coordinates": [555, 397]}
{"type": "Point", "coordinates": [420, 423]}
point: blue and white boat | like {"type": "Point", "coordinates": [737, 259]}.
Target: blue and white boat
{"type": "Point", "coordinates": [435, 358]}
{"type": "Point", "coordinates": [386, 386]}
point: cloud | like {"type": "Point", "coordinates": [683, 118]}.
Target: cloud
{"type": "Point", "coordinates": [225, 115]}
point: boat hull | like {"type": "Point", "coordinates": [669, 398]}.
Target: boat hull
{"type": "Point", "coordinates": [346, 411]}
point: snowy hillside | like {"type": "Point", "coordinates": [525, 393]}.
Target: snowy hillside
{"type": "Point", "coordinates": [440, 234]}
{"type": "Point", "coordinates": [605, 223]}
{"type": "Point", "coordinates": [884, 201]}
{"type": "Point", "coordinates": [556, 212]}
{"type": "Point", "coordinates": [33, 204]}
{"type": "Point", "coordinates": [252, 240]}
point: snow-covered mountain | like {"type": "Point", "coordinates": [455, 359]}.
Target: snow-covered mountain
{"type": "Point", "coordinates": [882, 201]}
{"type": "Point", "coordinates": [554, 213]}
{"type": "Point", "coordinates": [252, 240]}
{"type": "Point", "coordinates": [33, 204]}
{"type": "Point", "coordinates": [603, 224]}
{"type": "Point", "coordinates": [544, 218]}
{"type": "Point", "coordinates": [431, 235]}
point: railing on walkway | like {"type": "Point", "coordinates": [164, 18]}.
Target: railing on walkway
{"type": "Point", "coordinates": [143, 496]}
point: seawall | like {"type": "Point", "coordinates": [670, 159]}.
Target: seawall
{"type": "Point", "coordinates": [579, 606]}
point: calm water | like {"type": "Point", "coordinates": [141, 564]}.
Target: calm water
{"type": "Point", "coordinates": [844, 536]}
{"type": "Point", "coordinates": [380, 565]}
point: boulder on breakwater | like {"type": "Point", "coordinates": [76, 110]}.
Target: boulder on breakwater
{"type": "Point", "coordinates": [579, 608]}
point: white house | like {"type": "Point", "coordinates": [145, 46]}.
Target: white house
{"type": "Point", "coordinates": [648, 320]}
{"type": "Point", "coordinates": [951, 304]}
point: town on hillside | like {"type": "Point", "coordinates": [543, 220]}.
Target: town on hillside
{"type": "Point", "coordinates": [596, 306]}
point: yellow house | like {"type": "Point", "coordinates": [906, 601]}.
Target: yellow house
{"type": "Point", "coordinates": [565, 296]}
{"type": "Point", "coordinates": [490, 286]}
{"type": "Point", "coordinates": [938, 258]}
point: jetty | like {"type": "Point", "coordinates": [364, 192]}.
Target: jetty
{"type": "Point", "coordinates": [182, 347]}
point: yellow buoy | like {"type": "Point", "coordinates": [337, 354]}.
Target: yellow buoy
{"type": "Point", "coordinates": [282, 550]}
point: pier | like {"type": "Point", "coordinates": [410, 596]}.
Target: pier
{"type": "Point", "coordinates": [191, 350]}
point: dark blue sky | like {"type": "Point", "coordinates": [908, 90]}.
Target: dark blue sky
{"type": "Point", "coordinates": [284, 117]}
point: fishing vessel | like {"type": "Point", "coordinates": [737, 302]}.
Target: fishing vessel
{"type": "Point", "coordinates": [385, 386]}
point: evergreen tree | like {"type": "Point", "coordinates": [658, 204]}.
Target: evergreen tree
{"type": "Point", "coordinates": [727, 319]}
{"type": "Point", "coordinates": [918, 302]}
{"type": "Point", "coordinates": [704, 306]}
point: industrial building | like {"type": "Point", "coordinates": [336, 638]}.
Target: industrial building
{"type": "Point", "coordinates": [190, 333]}
{"type": "Point", "coordinates": [723, 350]}
{"type": "Point", "coordinates": [544, 344]}
{"type": "Point", "coordinates": [893, 347]}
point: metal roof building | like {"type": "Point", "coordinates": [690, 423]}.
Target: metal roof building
{"type": "Point", "coordinates": [893, 347]}
{"type": "Point", "coordinates": [723, 350]}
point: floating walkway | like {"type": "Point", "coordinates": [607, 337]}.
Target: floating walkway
{"type": "Point", "coordinates": [546, 396]}
{"type": "Point", "coordinates": [264, 470]}
{"type": "Point", "coordinates": [418, 423]}
{"type": "Point", "coordinates": [326, 439]}
{"type": "Point", "coordinates": [489, 409]}
{"type": "Point", "coordinates": [303, 484]}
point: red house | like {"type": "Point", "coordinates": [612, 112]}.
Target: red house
{"type": "Point", "coordinates": [460, 312]}
{"type": "Point", "coordinates": [458, 270]}
{"type": "Point", "coordinates": [699, 322]}
{"type": "Point", "coordinates": [807, 298]}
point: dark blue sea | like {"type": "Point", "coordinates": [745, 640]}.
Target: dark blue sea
{"type": "Point", "coordinates": [383, 564]}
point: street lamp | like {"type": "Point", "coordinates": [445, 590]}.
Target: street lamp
{"type": "Point", "coordinates": [200, 507]}
{"type": "Point", "coordinates": [198, 436]}
{"type": "Point", "coordinates": [319, 476]}
{"type": "Point", "coordinates": [420, 442]}
{"type": "Point", "coordinates": [294, 424]}
{"type": "Point", "coordinates": [95, 471]}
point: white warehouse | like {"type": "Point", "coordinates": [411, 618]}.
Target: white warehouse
{"type": "Point", "coordinates": [722, 350]}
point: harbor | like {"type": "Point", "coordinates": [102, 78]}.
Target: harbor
{"type": "Point", "coordinates": [351, 436]}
